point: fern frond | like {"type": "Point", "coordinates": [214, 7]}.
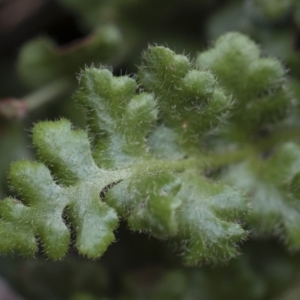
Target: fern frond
{"type": "Point", "coordinates": [142, 159]}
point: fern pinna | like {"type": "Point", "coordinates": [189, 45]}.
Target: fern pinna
{"type": "Point", "coordinates": [189, 152]}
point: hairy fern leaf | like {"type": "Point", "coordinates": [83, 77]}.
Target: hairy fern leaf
{"type": "Point", "coordinates": [140, 159]}
{"type": "Point", "coordinates": [273, 188]}
{"type": "Point", "coordinates": [256, 84]}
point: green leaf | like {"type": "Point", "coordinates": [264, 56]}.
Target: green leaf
{"type": "Point", "coordinates": [189, 99]}
{"type": "Point", "coordinates": [273, 188]}
{"type": "Point", "coordinates": [118, 119]}
{"type": "Point", "coordinates": [256, 84]}
{"type": "Point", "coordinates": [45, 200]}
{"type": "Point", "coordinates": [135, 161]}
{"type": "Point", "coordinates": [208, 231]}
{"type": "Point", "coordinates": [148, 203]}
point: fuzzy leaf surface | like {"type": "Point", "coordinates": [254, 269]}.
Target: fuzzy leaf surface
{"type": "Point", "coordinates": [208, 222]}
{"type": "Point", "coordinates": [256, 84]}
{"type": "Point", "coordinates": [191, 102]}
{"type": "Point", "coordinates": [124, 167]}
{"type": "Point", "coordinates": [273, 188]}
{"type": "Point", "coordinates": [44, 200]}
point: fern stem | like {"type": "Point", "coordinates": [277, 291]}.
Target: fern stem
{"type": "Point", "coordinates": [217, 160]}
{"type": "Point", "coordinates": [291, 134]}
{"type": "Point", "coordinates": [11, 108]}
{"type": "Point", "coordinates": [47, 93]}
{"type": "Point", "coordinates": [177, 166]}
